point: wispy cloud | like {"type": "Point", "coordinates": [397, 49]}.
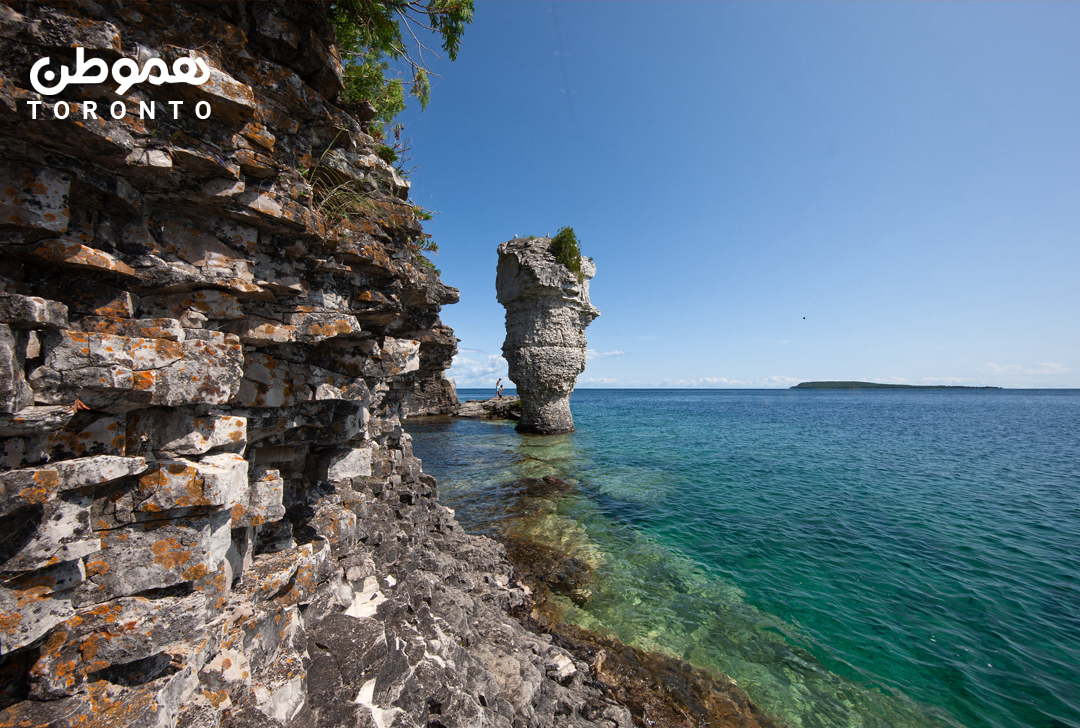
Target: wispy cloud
{"type": "Point", "coordinates": [468, 372]}
{"type": "Point", "coordinates": [470, 351]}
{"type": "Point", "coordinates": [777, 380]}
{"type": "Point", "coordinates": [594, 354]}
{"type": "Point", "coordinates": [929, 381]}
{"type": "Point", "coordinates": [1041, 369]}
{"type": "Point", "coordinates": [600, 380]}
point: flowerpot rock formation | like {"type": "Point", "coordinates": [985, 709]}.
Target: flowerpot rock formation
{"type": "Point", "coordinates": [547, 311]}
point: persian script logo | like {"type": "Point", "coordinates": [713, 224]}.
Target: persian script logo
{"type": "Point", "coordinates": [125, 72]}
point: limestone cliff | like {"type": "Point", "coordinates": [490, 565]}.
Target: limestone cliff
{"type": "Point", "coordinates": [211, 514]}
{"type": "Point", "coordinates": [547, 311]}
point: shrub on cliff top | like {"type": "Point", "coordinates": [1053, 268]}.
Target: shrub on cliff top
{"type": "Point", "coordinates": [565, 248]}
{"type": "Point", "coordinates": [370, 35]}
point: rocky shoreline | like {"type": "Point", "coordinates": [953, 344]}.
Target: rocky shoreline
{"type": "Point", "coordinates": [659, 690]}
{"type": "Point", "coordinates": [212, 514]}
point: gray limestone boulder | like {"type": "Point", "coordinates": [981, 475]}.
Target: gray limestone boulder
{"type": "Point", "coordinates": [547, 311]}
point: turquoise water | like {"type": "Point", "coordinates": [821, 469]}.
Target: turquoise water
{"type": "Point", "coordinates": [850, 558]}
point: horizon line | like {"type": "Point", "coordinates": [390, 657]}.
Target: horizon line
{"type": "Point", "coordinates": [783, 389]}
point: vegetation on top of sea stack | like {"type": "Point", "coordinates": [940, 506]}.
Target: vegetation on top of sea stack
{"type": "Point", "coordinates": [566, 250]}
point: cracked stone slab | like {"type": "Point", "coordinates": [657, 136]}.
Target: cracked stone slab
{"type": "Point", "coordinates": [36, 486]}
{"type": "Point", "coordinates": [32, 604]}
{"type": "Point", "coordinates": [121, 631]}
{"type": "Point", "coordinates": [215, 480]}
{"type": "Point", "coordinates": [182, 432]}
{"type": "Point", "coordinates": [265, 491]}
{"type": "Point", "coordinates": [32, 312]}
{"type": "Point", "coordinates": [34, 198]}
{"type": "Point", "coordinates": [62, 534]}
{"type": "Point", "coordinates": [153, 555]}
{"type": "Point", "coordinates": [117, 372]}
{"type": "Point", "coordinates": [35, 419]}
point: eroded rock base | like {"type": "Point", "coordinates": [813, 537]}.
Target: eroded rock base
{"type": "Point", "coordinates": [545, 417]}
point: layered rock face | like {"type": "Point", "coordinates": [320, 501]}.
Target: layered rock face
{"type": "Point", "coordinates": [433, 393]}
{"type": "Point", "coordinates": [547, 311]}
{"type": "Point", "coordinates": [210, 512]}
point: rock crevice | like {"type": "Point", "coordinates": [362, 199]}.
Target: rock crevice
{"type": "Point", "coordinates": [547, 311]}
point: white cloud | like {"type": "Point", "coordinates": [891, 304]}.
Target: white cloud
{"type": "Point", "coordinates": [1040, 369]}
{"type": "Point", "coordinates": [1051, 368]}
{"type": "Point", "coordinates": [474, 371]}
{"type": "Point", "coordinates": [594, 354]}
{"type": "Point", "coordinates": [997, 370]}
{"type": "Point", "coordinates": [776, 380]}
{"type": "Point", "coordinates": [468, 372]}
{"type": "Point", "coordinates": [927, 381]}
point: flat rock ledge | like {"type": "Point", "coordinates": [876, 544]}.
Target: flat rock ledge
{"type": "Point", "coordinates": [496, 408]}
{"type": "Point", "coordinates": [547, 311]}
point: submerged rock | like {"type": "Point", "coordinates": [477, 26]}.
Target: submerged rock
{"type": "Point", "coordinates": [547, 311]}
{"type": "Point", "coordinates": [658, 689]}
{"type": "Point", "coordinates": [542, 567]}
{"type": "Point", "coordinates": [545, 487]}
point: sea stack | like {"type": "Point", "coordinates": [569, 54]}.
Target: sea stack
{"type": "Point", "coordinates": [547, 310]}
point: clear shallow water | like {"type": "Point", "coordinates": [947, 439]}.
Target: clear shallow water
{"type": "Point", "coordinates": [851, 558]}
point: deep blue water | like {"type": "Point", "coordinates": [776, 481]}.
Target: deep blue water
{"type": "Point", "coordinates": [850, 558]}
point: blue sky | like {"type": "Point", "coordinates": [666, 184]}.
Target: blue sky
{"type": "Point", "coordinates": [905, 176]}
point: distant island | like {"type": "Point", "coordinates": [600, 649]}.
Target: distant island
{"type": "Point", "coordinates": [875, 385]}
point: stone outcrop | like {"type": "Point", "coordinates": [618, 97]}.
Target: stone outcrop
{"type": "Point", "coordinates": [211, 514]}
{"type": "Point", "coordinates": [496, 408]}
{"type": "Point", "coordinates": [433, 393]}
{"type": "Point", "coordinates": [547, 310]}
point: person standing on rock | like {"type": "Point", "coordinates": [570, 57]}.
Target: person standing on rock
{"type": "Point", "coordinates": [498, 388]}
